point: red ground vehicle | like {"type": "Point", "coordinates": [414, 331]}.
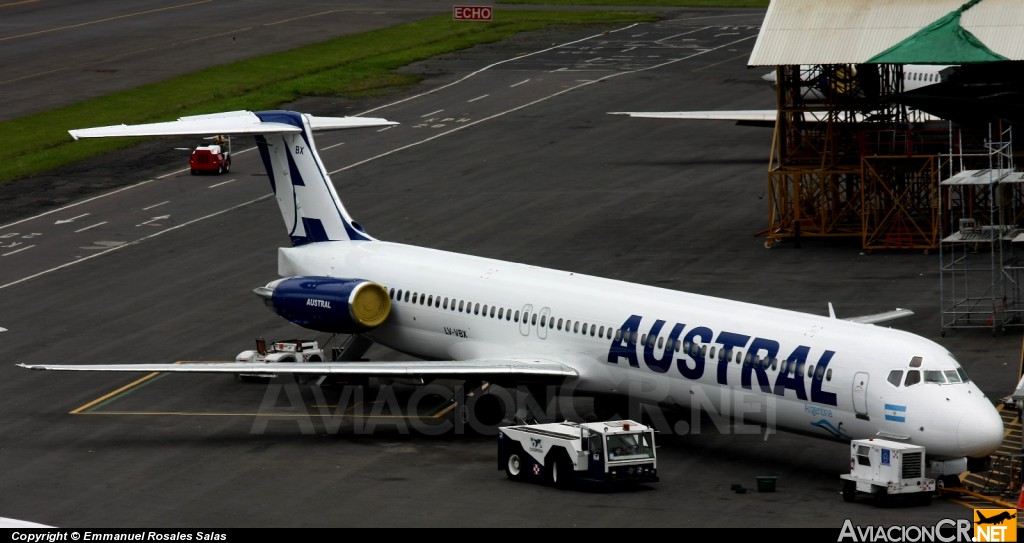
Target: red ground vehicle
{"type": "Point", "coordinates": [212, 158]}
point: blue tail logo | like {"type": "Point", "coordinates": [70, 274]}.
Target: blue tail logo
{"type": "Point", "coordinates": [309, 204]}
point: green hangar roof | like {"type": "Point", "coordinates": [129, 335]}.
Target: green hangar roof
{"type": "Point", "coordinates": [890, 32]}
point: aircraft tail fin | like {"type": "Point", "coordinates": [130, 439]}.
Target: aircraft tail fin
{"type": "Point", "coordinates": [309, 204]}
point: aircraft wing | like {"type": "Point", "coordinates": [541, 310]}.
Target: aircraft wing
{"type": "Point", "coordinates": [234, 122]}
{"type": "Point", "coordinates": [492, 368]}
{"type": "Point", "coordinates": [882, 317]}
{"type": "Point", "coordinates": [16, 523]}
{"type": "Point", "coordinates": [748, 117]}
{"type": "Point", "coordinates": [734, 115]}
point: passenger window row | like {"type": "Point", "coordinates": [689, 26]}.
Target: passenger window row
{"type": "Point", "coordinates": [495, 312]}
{"type": "Point", "coordinates": [795, 368]}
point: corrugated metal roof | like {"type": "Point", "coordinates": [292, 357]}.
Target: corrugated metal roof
{"type": "Point", "coordinates": [998, 24]}
{"type": "Point", "coordinates": [854, 31]}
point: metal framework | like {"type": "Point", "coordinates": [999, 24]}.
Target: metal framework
{"type": "Point", "coordinates": [814, 171]}
{"type": "Point", "coordinates": [982, 270]}
{"type": "Point", "coordinates": [844, 162]}
{"type": "Point", "coordinates": [900, 172]}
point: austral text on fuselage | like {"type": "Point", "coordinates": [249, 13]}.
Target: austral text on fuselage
{"type": "Point", "coordinates": [790, 377]}
{"type": "Point", "coordinates": [313, 302]}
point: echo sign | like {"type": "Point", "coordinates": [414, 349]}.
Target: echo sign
{"type": "Point", "coordinates": [472, 13]}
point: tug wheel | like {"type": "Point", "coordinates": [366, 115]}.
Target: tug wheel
{"type": "Point", "coordinates": [514, 465]}
{"type": "Point", "coordinates": [849, 491]}
{"type": "Point", "coordinates": [560, 472]}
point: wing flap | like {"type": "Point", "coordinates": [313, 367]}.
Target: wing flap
{"type": "Point", "coordinates": [436, 369]}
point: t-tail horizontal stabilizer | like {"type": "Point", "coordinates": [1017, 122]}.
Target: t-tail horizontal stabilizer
{"type": "Point", "coordinates": [228, 123]}
{"type": "Point", "coordinates": [309, 204]}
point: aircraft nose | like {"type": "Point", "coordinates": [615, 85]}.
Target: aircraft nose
{"type": "Point", "coordinates": [980, 432]}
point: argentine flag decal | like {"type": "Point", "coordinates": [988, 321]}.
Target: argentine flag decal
{"type": "Point", "coordinates": [895, 413]}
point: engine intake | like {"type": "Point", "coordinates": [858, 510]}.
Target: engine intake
{"type": "Point", "coordinates": [328, 304]}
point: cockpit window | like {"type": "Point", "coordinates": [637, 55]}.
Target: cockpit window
{"type": "Point", "coordinates": [951, 376]}
{"type": "Point", "coordinates": [913, 378]}
{"type": "Point", "coordinates": [934, 376]}
{"type": "Point", "coordinates": [963, 375]}
{"type": "Point", "coordinates": [915, 362]}
{"type": "Point", "coordinates": [895, 377]}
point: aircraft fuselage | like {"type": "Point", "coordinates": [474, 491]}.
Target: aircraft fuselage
{"type": "Point", "coordinates": [795, 371]}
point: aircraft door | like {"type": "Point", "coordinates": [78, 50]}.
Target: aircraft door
{"type": "Point", "coordinates": [543, 324]}
{"type": "Point", "coordinates": [860, 394]}
{"type": "Point", "coordinates": [524, 324]}
{"type": "Point", "coordinates": [595, 456]}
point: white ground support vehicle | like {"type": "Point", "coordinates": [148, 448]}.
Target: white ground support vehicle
{"type": "Point", "coordinates": [568, 453]}
{"type": "Point", "coordinates": [883, 469]}
{"type": "Point", "coordinates": [289, 350]}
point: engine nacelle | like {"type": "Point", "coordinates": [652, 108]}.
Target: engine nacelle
{"type": "Point", "coordinates": [328, 304]}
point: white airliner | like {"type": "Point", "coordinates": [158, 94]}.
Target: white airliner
{"type": "Point", "coordinates": [915, 76]}
{"type": "Point", "coordinates": [507, 323]}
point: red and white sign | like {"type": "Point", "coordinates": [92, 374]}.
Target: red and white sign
{"type": "Point", "coordinates": [472, 13]}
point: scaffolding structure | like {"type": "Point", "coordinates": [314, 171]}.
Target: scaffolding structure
{"type": "Point", "coordinates": [980, 260]}
{"type": "Point", "coordinates": [900, 169]}
{"type": "Point", "coordinates": [814, 173]}
{"type": "Point", "coordinates": [848, 162]}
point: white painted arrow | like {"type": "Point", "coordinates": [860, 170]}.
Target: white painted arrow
{"type": "Point", "coordinates": [154, 219]}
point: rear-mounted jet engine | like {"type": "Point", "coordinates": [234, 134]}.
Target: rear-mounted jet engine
{"type": "Point", "coordinates": [328, 304]}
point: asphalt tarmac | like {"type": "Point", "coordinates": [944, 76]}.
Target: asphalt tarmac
{"type": "Point", "coordinates": [512, 155]}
